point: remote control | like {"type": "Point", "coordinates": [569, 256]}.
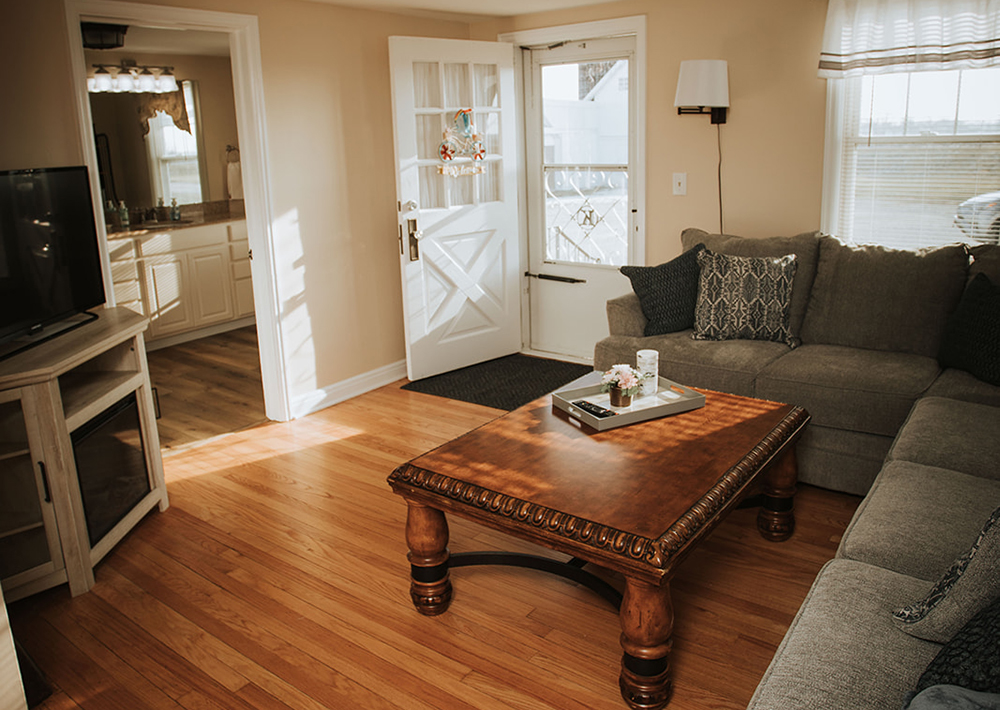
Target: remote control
{"type": "Point", "coordinates": [594, 409]}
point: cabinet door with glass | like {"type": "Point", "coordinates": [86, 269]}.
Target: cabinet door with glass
{"type": "Point", "coordinates": [29, 539]}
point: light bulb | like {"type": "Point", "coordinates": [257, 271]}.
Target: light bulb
{"type": "Point", "coordinates": [166, 82]}
{"type": "Point", "coordinates": [102, 80]}
{"type": "Point", "coordinates": [124, 81]}
{"type": "Point", "coordinates": [147, 82]}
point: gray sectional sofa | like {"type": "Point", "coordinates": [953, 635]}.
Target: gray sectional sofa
{"type": "Point", "coordinates": [917, 573]}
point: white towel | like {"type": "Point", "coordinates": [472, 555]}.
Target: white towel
{"type": "Point", "coordinates": [234, 177]}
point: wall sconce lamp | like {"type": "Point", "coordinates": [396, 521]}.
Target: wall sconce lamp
{"type": "Point", "coordinates": [703, 84]}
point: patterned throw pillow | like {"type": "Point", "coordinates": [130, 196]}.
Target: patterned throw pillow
{"type": "Point", "coordinates": [971, 659]}
{"type": "Point", "coordinates": [971, 339]}
{"type": "Point", "coordinates": [667, 293]}
{"type": "Point", "coordinates": [971, 582]}
{"type": "Point", "coordinates": [742, 297]}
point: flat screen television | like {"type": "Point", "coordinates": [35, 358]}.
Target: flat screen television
{"type": "Point", "coordinates": [50, 264]}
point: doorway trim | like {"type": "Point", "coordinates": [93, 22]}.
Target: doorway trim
{"type": "Point", "coordinates": [248, 89]}
{"type": "Point", "coordinates": [635, 26]}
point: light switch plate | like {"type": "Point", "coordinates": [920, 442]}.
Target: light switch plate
{"type": "Point", "coordinates": [680, 183]}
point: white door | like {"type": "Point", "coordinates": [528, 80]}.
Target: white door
{"type": "Point", "coordinates": [454, 118]}
{"type": "Point", "coordinates": [583, 220]}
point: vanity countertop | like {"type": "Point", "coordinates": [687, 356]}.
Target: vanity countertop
{"type": "Point", "coordinates": [157, 227]}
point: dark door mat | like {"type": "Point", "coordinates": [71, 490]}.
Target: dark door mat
{"type": "Point", "coordinates": [505, 383]}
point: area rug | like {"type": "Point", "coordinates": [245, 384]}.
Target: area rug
{"type": "Point", "coordinates": [505, 383]}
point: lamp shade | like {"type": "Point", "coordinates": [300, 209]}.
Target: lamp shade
{"type": "Point", "coordinates": [703, 82]}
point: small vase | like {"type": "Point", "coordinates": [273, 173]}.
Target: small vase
{"type": "Point", "coordinates": [619, 398]}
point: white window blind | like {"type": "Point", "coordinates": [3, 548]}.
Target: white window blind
{"type": "Point", "coordinates": [913, 147]}
{"type": "Point", "coordinates": [913, 119]}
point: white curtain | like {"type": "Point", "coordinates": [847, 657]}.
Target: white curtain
{"type": "Point", "coordinates": [887, 36]}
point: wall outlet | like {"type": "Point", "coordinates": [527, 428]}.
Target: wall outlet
{"type": "Point", "coordinates": [680, 183]}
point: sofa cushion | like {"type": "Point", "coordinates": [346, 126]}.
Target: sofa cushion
{"type": "Point", "coordinates": [841, 460]}
{"type": "Point", "coordinates": [668, 292]}
{"type": "Point", "coordinates": [971, 340]}
{"type": "Point", "coordinates": [727, 366]}
{"type": "Point", "coordinates": [849, 388]}
{"type": "Point", "coordinates": [970, 659]}
{"type": "Point", "coordinates": [805, 247]}
{"type": "Point", "coordinates": [883, 299]}
{"type": "Point", "coordinates": [959, 384]}
{"type": "Point", "coordinates": [970, 584]}
{"type": "Point", "coordinates": [951, 434]}
{"type": "Point", "coordinates": [842, 650]}
{"type": "Point", "coordinates": [625, 315]}
{"type": "Point", "coordinates": [744, 297]}
{"type": "Point", "coordinates": [917, 519]}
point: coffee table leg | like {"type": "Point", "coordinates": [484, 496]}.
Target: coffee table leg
{"type": "Point", "coordinates": [776, 519]}
{"type": "Point", "coordinates": [427, 538]}
{"type": "Point", "coordinates": [647, 618]}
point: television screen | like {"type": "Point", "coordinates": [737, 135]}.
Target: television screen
{"type": "Point", "coordinates": [50, 264]}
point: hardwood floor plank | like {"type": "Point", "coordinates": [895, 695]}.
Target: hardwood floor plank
{"type": "Point", "coordinates": [278, 579]}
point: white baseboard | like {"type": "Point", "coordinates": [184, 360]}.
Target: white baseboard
{"type": "Point", "coordinates": [346, 389]}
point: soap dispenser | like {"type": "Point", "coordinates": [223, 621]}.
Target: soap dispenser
{"type": "Point", "coordinates": [175, 210]}
{"type": "Point", "coordinates": [123, 214]}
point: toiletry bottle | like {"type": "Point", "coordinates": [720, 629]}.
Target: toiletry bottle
{"type": "Point", "coordinates": [175, 210]}
{"type": "Point", "coordinates": [123, 214]}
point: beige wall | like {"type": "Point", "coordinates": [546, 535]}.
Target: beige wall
{"type": "Point", "coordinates": [772, 144]}
{"type": "Point", "coordinates": [218, 116]}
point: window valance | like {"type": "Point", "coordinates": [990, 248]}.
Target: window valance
{"type": "Point", "coordinates": [887, 36]}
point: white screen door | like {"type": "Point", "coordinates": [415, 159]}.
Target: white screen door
{"type": "Point", "coordinates": [454, 117]}
{"type": "Point", "coordinates": [582, 214]}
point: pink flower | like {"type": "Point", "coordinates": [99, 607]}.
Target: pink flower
{"type": "Point", "coordinates": [622, 376]}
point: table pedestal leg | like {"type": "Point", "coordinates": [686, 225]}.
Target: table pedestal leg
{"type": "Point", "coordinates": [647, 618]}
{"type": "Point", "coordinates": [427, 538]}
{"type": "Point", "coordinates": [776, 520]}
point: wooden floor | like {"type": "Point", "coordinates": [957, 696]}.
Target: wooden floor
{"type": "Point", "coordinates": [207, 387]}
{"type": "Point", "coordinates": [278, 579]}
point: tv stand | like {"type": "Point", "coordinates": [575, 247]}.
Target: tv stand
{"type": "Point", "coordinates": [47, 394]}
{"type": "Point", "coordinates": [52, 330]}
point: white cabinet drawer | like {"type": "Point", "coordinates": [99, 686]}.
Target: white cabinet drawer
{"type": "Point", "coordinates": [121, 249]}
{"type": "Point", "coordinates": [124, 271]}
{"type": "Point", "coordinates": [241, 269]}
{"type": "Point", "coordinates": [237, 230]}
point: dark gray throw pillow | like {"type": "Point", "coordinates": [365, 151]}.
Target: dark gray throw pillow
{"type": "Point", "coordinates": [971, 659]}
{"type": "Point", "coordinates": [971, 339]}
{"type": "Point", "coordinates": [668, 292]}
{"type": "Point", "coordinates": [744, 298]}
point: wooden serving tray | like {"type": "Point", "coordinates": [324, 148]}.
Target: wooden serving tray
{"type": "Point", "coordinates": [670, 398]}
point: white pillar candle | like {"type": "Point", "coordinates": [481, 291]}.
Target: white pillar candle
{"type": "Point", "coordinates": [647, 363]}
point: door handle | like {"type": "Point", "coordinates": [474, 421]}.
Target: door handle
{"type": "Point", "coordinates": [560, 279]}
{"type": "Point", "coordinates": [414, 236]}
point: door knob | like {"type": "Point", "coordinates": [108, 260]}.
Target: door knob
{"type": "Point", "coordinates": [410, 205]}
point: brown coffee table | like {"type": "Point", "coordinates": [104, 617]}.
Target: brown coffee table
{"type": "Point", "coordinates": [634, 499]}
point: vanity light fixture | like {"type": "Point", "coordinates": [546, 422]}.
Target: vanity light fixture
{"type": "Point", "coordinates": [132, 78]}
{"type": "Point", "coordinates": [703, 84]}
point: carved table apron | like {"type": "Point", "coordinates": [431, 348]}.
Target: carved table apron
{"type": "Point", "coordinates": [634, 499]}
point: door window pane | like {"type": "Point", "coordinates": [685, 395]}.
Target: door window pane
{"type": "Point", "coordinates": [487, 89]}
{"type": "Point", "coordinates": [585, 112]}
{"type": "Point", "coordinates": [426, 85]}
{"type": "Point", "coordinates": [586, 216]}
{"type": "Point", "coordinates": [491, 182]}
{"type": "Point", "coordinates": [457, 93]}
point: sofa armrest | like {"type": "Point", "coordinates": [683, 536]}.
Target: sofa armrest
{"type": "Point", "coordinates": [625, 316]}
